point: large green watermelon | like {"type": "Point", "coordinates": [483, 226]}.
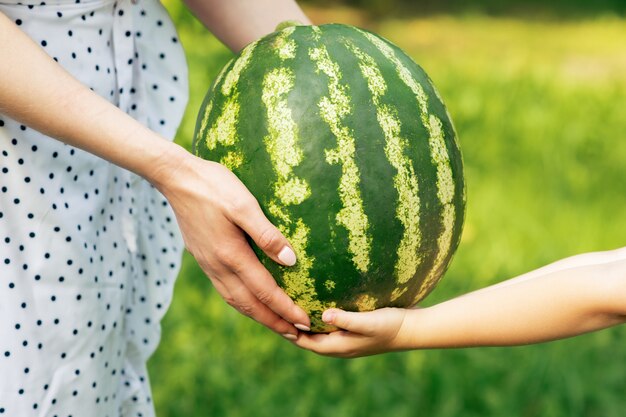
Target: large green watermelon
{"type": "Point", "coordinates": [351, 153]}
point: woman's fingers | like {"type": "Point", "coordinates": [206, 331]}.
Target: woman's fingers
{"type": "Point", "coordinates": [235, 293]}
{"type": "Point", "coordinates": [249, 216]}
{"type": "Point", "coordinates": [263, 286]}
{"type": "Point", "coordinates": [247, 286]}
{"type": "Point", "coordinates": [343, 343]}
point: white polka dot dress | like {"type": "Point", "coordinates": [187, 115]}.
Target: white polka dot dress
{"type": "Point", "coordinates": [88, 252]}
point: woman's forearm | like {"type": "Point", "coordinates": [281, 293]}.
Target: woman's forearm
{"type": "Point", "coordinates": [214, 210]}
{"type": "Point", "coordinates": [38, 92]}
{"type": "Point", "coordinates": [239, 22]}
{"type": "Point", "coordinates": [561, 301]}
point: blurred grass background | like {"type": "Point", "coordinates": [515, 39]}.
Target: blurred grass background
{"type": "Point", "coordinates": [538, 96]}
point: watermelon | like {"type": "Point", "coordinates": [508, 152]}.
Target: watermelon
{"type": "Point", "coordinates": [351, 153]}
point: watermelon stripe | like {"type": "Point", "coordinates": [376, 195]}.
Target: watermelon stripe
{"type": "Point", "coordinates": [232, 78]}
{"type": "Point", "coordinates": [205, 118]}
{"type": "Point", "coordinates": [317, 32]}
{"type": "Point", "coordinates": [333, 109]}
{"type": "Point", "coordinates": [282, 146]}
{"type": "Point", "coordinates": [208, 107]}
{"type": "Point", "coordinates": [439, 155]}
{"type": "Point", "coordinates": [445, 192]}
{"type": "Point", "coordinates": [223, 72]}
{"type": "Point", "coordinates": [405, 181]}
{"type": "Point", "coordinates": [298, 283]}
{"type": "Point", "coordinates": [224, 131]}
{"type": "Point", "coordinates": [284, 45]}
{"type": "Point", "coordinates": [232, 160]}
{"type": "Point", "coordinates": [281, 143]}
{"type": "Point", "coordinates": [366, 302]}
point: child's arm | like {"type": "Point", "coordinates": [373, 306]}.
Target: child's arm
{"type": "Point", "coordinates": [570, 297]}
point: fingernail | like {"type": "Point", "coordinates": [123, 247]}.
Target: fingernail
{"type": "Point", "coordinates": [302, 327]}
{"type": "Point", "coordinates": [328, 316]}
{"type": "Point", "coordinates": [290, 336]}
{"type": "Point", "coordinates": [287, 256]}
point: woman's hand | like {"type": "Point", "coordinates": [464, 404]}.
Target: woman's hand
{"type": "Point", "coordinates": [215, 212]}
{"type": "Point", "coordinates": [362, 334]}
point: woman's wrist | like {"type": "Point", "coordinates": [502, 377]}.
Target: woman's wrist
{"type": "Point", "coordinates": [53, 102]}
{"type": "Point", "coordinates": [164, 165]}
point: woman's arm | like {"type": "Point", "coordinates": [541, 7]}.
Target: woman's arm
{"type": "Point", "coordinates": [212, 207]}
{"type": "Point", "coordinates": [239, 22]}
{"type": "Point", "coordinates": [38, 92]}
{"type": "Point", "coordinates": [567, 298]}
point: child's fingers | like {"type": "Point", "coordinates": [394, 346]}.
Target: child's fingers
{"type": "Point", "coordinates": [353, 322]}
{"type": "Point", "coordinates": [339, 344]}
{"type": "Point", "coordinates": [384, 322]}
{"type": "Point", "coordinates": [360, 334]}
{"type": "Point", "coordinates": [318, 343]}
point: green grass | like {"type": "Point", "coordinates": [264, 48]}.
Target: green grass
{"type": "Point", "coordinates": [539, 108]}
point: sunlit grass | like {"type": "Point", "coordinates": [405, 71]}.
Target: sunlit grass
{"type": "Point", "coordinates": [539, 108]}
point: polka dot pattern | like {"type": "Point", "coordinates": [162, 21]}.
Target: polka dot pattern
{"type": "Point", "coordinates": [88, 252]}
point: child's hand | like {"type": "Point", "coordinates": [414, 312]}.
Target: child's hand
{"type": "Point", "coordinates": [361, 334]}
